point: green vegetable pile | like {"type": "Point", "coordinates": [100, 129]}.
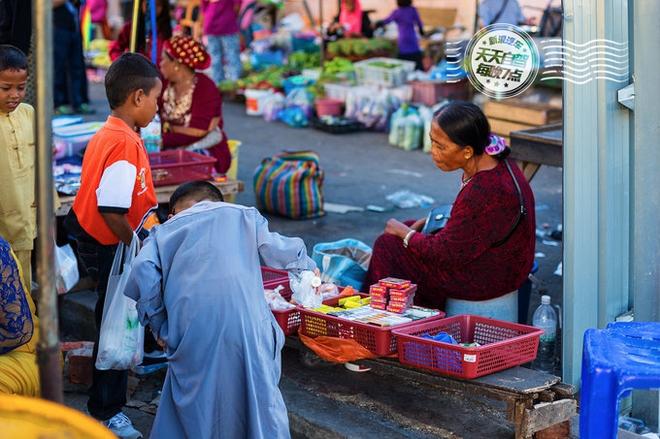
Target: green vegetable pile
{"type": "Point", "coordinates": [302, 60]}
{"type": "Point", "coordinates": [361, 47]}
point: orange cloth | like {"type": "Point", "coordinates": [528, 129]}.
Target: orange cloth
{"type": "Point", "coordinates": [337, 350]}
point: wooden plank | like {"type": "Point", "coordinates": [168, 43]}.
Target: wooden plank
{"type": "Point", "coordinates": [438, 17]}
{"type": "Point", "coordinates": [547, 414]}
{"type": "Point", "coordinates": [541, 145]}
{"type": "Point", "coordinates": [522, 112]}
{"type": "Point", "coordinates": [504, 127]}
{"type": "Point", "coordinates": [163, 194]}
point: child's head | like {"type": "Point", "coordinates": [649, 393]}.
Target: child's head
{"type": "Point", "coordinates": [133, 86]}
{"type": "Point", "coordinates": [191, 193]}
{"type": "Point", "coordinates": [13, 77]}
{"type": "Point", "coordinates": [403, 3]}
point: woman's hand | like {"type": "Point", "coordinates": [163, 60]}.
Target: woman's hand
{"type": "Point", "coordinates": [397, 228]}
{"type": "Point", "coordinates": [418, 225]}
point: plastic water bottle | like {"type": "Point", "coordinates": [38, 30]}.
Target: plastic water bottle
{"type": "Point", "coordinates": [545, 317]}
{"type": "Point", "coordinates": [151, 135]}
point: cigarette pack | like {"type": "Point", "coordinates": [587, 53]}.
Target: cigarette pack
{"type": "Point", "coordinates": [393, 282]}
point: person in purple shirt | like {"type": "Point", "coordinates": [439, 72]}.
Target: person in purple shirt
{"type": "Point", "coordinates": [406, 18]}
{"type": "Point", "coordinates": [223, 43]}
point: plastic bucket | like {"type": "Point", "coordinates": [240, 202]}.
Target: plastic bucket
{"type": "Point", "coordinates": [254, 101]}
{"type": "Point", "coordinates": [32, 418]}
{"type": "Point", "coordinates": [328, 107]}
{"type": "Point", "coordinates": [232, 173]}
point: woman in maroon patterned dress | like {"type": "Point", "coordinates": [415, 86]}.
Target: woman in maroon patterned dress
{"type": "Point", "coordinates": [191, 104]}
{"type": "Point", "coordinates": [486, 249]}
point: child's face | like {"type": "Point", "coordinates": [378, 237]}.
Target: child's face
{"type": "Point", "coordinates": [146, 104]}
{"type": "Point", "coordinates": [12, 89]}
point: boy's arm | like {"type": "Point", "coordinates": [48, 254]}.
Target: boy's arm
{"type": "Point", "coordinates": [119, 225]}
{"type": "Point", "coordinates": [279, 251]}
{"type": "Point", "coordinates": [144, 285]}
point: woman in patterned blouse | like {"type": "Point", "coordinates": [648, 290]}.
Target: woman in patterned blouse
{"type": "Point", "coordinates": [18, 329]}
{"type": "Point", "coordinates": [486, 249]}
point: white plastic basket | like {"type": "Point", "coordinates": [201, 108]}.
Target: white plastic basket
{"type": "Point", "coordinates": [337, 91]}
{"type": "Point", "coordinates": [368, 73]}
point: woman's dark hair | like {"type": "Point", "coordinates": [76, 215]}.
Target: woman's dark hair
{"type": "Point", "coordinates": [198, 190]}
{"type": "Point", "coordinates": [403, 3]}
{"type": "Point", "coordinates": [163, 24]}
{"type": "Point", "coordinates": [466, 125]}
{"type": "Point", "coordinates": [12, 58]}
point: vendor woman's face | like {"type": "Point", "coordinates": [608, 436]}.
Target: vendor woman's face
{"type": "Point", "coordinates": [447, 155]}
{"type": "Point", "coordinates": [167, 66]}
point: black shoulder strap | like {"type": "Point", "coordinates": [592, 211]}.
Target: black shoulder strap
{"type": "Point", "coordinates": [522, 211]}
{"type": "Point", "coordinates": [499, 14]}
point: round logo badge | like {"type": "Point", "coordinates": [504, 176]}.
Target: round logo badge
{"type": "Point", "coordinates": [502, 61]}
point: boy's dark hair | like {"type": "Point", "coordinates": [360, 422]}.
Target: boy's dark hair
{"type": "Point", "coordinates": [403, 3]}
{"type": "Point", "coordinates": [130, 72]}
{"type": "Point", "coordinates": [199, 190]}
{"type": "Point", "coordinates": [12, 58]}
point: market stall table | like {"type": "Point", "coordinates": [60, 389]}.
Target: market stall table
{"type": "Point", "coordinates": [537, 146]}
{"type": "Point", "coordinates": [163, 193]}
{"type": "Point", "coordinates": [534, 400]}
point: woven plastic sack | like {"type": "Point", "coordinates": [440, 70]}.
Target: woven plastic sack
{"type": "Point", "coordinates": [344, 262]}
{"type": "Point", "coordinates": [290, 184]}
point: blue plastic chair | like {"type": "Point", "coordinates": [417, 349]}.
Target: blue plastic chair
{"type": "Point", "coordinates": [622, 357]}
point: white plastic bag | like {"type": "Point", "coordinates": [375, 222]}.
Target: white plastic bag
{"type": "Point", "coordinates": [121, 342]}
{"type": "Point", "coordinates": [66, 268]}
{"type": "Point", "coordinates": [305, 287]}
{"type": "Point", "coordinates": [276, 301]}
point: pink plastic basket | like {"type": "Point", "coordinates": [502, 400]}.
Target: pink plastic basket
{"type": "Point", "coordinates": [377, 339]}
{"type": "Point", "coordinates": [178, 166]}
{"type": "Point", "coordinates": [503, 345]}
{"type": "Point", "coordinates": [328, 107]}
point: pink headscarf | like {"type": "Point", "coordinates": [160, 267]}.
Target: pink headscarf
{"type": "Point", "coordinates": [352, 21]}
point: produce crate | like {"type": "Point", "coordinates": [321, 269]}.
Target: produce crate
{"type": "Point", "coordinates": [178, 166]}
{"type": "Point", "coordinates": [288, 320]}
{"type": "Point", "coordinates": [430, 93]}
{"type": "Point", "coordinates": [369, 72]}
{"type": "Point", "coordinates": [378, 340]}
{"type": "Point", "coordinates": [504, 345]}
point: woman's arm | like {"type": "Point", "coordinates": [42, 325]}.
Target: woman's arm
{"type": "Point", "coordinates": [16, 326]}
{"type": "Point", "coordinates": [418, 23]}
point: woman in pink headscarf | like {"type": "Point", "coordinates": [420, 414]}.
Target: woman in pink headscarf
{"type": "Point", "coordinates": [349, 20]}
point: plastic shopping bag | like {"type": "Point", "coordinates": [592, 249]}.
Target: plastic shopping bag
{"type": "Point", "coordinates": [122, 336]}
{"type": "Point", "coordinates": [66, 268]}
{"type": "Point", "coordinates": [344, 262]}
{"type": "Point", "coordinates": [305, 288]}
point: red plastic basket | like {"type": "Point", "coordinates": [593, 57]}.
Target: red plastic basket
{"type": "Point", "coordinates": [504, 345]}
{"type": "Point", "coordinates": [431, 92]}
{"type": "Point", "coordinates": [273, 277]}
{"type": "Point", "coordinates": [288, 320]}
{"type": "Point", "coordinates": [378, 340]}
{"type": "Point", "coordinates": [179, 166]}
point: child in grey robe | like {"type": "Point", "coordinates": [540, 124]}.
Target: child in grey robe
{"type": "Point", "coordinates": [198, 285]}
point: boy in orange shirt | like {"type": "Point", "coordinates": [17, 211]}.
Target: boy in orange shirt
{"type": "Point", "coordinates": [115, 197]}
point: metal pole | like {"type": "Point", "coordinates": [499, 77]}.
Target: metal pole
{"type": "Point", "coordinates": [645, 205]}
{"type": "Point", "coordinates": [134, 24]}
{"type": "Point", "coordinates": [48, 351]}
{"type": "Point", "coordinates": [322, 45]}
